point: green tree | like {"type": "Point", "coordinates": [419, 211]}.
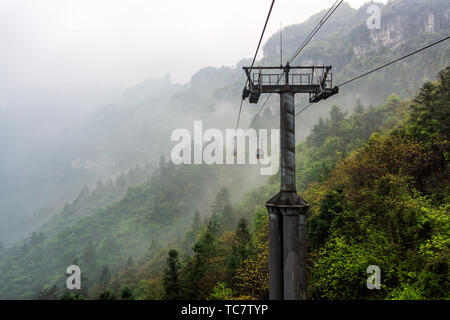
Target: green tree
{"type": "Point", "coordinates": [171, 278]}
{"type": "Point", "coordinates": [106, 295]}
{"type": "Point", "coordinates": [105, 277]}
{"type": "Point", "coordinates": [243, 239]}
{"type": "Point", "coordinates": [320, 225]}
{"type": "Point", "coordinates": [222, 199]}
{"type": "Point", "coordinates": [48, 293]}
{"type": "Point", "coordinates": [241, 248]}
{"type": "Point", "coordinates": [196, 223]}
{"type": "Point", "coordinates": [154, 246]}
{"type": "Point", "coordinates": [126, 294]}
{"type": "Point", "coordinates": [221, 292]}
{"type": "Point", "coordinates": [227, 219]}
{"type": "Point", "coordinates": [198, 272]}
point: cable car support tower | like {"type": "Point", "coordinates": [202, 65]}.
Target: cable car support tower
{"type": "Point", "coordinates": [287, 210]}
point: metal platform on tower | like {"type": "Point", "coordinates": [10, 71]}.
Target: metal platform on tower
{"type": "Point", "coordinates": [317, 81]}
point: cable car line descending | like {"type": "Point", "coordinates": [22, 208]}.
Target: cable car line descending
{"type": "Point", "coordinates": [381, 67]}
{"type": "Point", "coordinates": [254, 57]}
{"type": "Point", "coordinates": [393, 61]}
{"type": "Point", "coordinates": [316, 29]}
{"type": "Point", "coordinates": [297, 52]}
{"type": "Point", "coordinates": [376, 69]}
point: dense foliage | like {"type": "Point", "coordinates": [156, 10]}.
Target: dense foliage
{"type": "Point", "coordinates": [376, 177]}
{"type": "Point", "coordinates": [103, 242]}
{"type": "Point", "coordinates": [378, 186]}
{"type": "Point", "coordinates": [386, 203]}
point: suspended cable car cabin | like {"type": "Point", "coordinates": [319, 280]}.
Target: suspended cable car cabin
{"type": "Point", "coordinates": [259, 153]}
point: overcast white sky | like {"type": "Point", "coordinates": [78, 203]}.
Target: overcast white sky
{"type": "Point", "coordinates": [62, 47]}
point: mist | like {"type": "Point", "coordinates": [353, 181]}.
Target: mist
{"type": "Point", "coordinates": [79, 80]}
{"type": "Point", "coordinates": [92, 91]}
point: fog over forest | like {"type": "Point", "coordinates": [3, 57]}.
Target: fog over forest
{"type": "Point", "coordinates": [91, 92]}
{"type": "Point", "coordinates": [68, 66]}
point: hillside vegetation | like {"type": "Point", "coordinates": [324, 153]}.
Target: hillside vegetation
{"type": "Point", "coordinates": [373, 163]}
{"type": "Point", "coordinates": [381, 202]}
{"type": "Point", "coordinates": [135, 128]}
{"type": "Point", "coordinates": [380, 199]}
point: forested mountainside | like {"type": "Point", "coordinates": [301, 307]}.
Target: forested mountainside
{"type": "Point", "coordinates": [122, 228]}
{"type": "Point", "coordinates": [378, 185]}
{"type": "Point", "coordinates": [381, 199]}
{"type": "Point", "coordinates": [135, 128]}
{"type": "Point", "coordinates": [129, 228]}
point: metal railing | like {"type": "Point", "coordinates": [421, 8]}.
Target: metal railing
{"type": "Point", "coordinates": [267, 79]}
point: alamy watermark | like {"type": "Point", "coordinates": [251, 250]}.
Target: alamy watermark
{"type": "Point", "coordinates": [374, 280]}
{"type": "Point", "coordinates": [237, 146]}
{"type": "Point", "coordinates": [74, 280]}
{"type": "Point", "coordinates": [374, 20]}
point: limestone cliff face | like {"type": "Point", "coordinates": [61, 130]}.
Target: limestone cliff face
{"type": "Point", "coordinates": [397, 28]}
{"type": "Point", "coordinates": [346, 36]}
{"type": "Point", "coordinates": [435, 22]}
{"type": "Point", "coordinates": [391, 34]}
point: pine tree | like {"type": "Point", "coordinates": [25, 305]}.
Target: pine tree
{"type": "Point", "coordinates": [162, 163]}
{"type": "Point", "coordinates": [228, 219]}
{"type": "Point", "coordinates": [171, 278]}
{"type": "Point", "coordinates": [243, 235]}
{"type": "Point", "coordinates": [105, 277]}
{"type": "Point", "coordinates": [154, 246]}
{"type": "Point", "coordinates": [196, 269]}
{"type": "Point", "coordinates": [222, 199]}
{"type": "Point", "coordinates": [192, 234]}
{"type": "Point", "coordinates": [196, 223]}
{"type": "Point", "coordinates": [336, 118]}
{"type": "Point", "coordinates": [214, 226]}
{"type": "Point", "coordinates": [84, 194]}
{"type": "Point", "coordinates": [359, 106]}
{"type": "Point", "coordinates": [241, 248]}
{"type": "Point", "coordinates": [121, 183]}
{"type": "Point", "coordinates": [243, 241]}
{"type": "Point", "coordinates": [130, 262]}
